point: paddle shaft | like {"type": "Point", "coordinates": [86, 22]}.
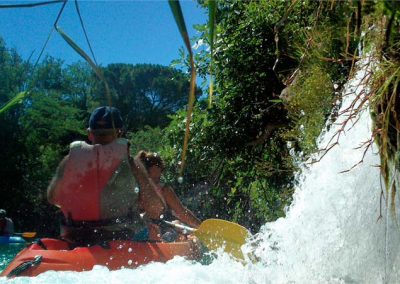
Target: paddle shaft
{"type": "Point", "coordinates": [180, 226]}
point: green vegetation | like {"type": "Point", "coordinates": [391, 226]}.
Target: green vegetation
{"type": "Point", "coordinates": [145, 94]}
{"type": "Point", "coordinates": [278, 68]}
{"type": "Point", "coordinates": [309, 102]}
{"type": "Point", "coordinates": [385, 91]}
{"type": "Point", "coordinates": [276, 64]}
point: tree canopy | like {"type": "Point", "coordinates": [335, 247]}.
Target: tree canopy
{"type": "Point", "coordinates": [146, 94]}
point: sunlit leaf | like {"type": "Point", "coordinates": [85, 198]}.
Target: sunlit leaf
{"type": "Point", "coordinates": [14, 101]}
{"type": "Point", "coordinates": [276, 101]}
{"type": "Point", "coordinates": [180, 21]}
{"type": "Point", "coordinates": [82, 53]}
{"type": "Point", "coordinates": [177, 12]}
{"type": "Point", "coordinates": [211, 24]}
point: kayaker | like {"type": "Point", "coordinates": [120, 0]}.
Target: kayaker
{"type": "Point", "coordinates": [174, 209]}
{"type": "Point", "coordinates": [6, 224]}
{"type": "Point", "coordinates": [97, 186]}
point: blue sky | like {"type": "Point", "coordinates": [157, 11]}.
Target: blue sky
{"type": "Point", "coordinates": [119, 31]}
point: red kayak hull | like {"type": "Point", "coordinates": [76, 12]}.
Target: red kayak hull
{"type": "Point", "coordinates": [118, 254]}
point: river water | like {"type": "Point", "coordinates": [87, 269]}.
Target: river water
{"type": "Point", "coordinates": [7, 252]}
{"type": "Point", "coordinates": [337, 230]}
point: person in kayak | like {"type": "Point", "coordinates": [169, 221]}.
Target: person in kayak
{"type": "Point", "coordinates": [174, 209]}
{"type": "Point", "coordinates": [97, 186]}
{"type": "Point", "coordinates": [6, 224]}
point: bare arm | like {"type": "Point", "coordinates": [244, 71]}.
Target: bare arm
{"type": "Point", "coordinates": [150, 199]}
{"type": "Point", "coordinates": [52, 188]}
{"type": "Point", "coordinates": [181, 212]}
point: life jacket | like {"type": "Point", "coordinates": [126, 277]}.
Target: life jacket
{"type": "Point", "coordinates": [158, 229]}
{"type": "Point", "coordinates": [98, 189]}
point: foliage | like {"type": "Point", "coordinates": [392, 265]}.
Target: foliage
{"type": "Point", "coordinates": [385, 89]}
{"type": "Point", "coordinates": [276, 64]}
{"type": "Point", "coordinates": [146, 94]}
{"type": "Point", "coordinates": [14, 101]}
{"type": "Point", "coordinates": [12, 78]}
{"type": "Point", "coordinates": [386, 113]}
{"type": "Point", "coordinates": [309, 103]}
{"type": "Point", "coordinates": [250, 182]}
{"type": "Point", "coordinates": [147, 139]}
{"type": "Point", "coordinates": [79, 80]}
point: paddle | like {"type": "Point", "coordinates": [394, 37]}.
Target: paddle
{"type": "Point", "coordinates": [26, 234]}
{"type": "Point", "coordinates": [216, 233]}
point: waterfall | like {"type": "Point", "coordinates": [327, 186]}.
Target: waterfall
{"type": "Point", "coordinates": [338, 228]}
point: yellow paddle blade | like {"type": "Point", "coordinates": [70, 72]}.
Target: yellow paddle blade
{"type": "Point", "coordinates": [216, 233]}
{"type": "Point", "coordinates": [28, 234]}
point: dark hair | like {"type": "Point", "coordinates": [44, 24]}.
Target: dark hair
{"type": "Point", "coordinates": [150, 159]}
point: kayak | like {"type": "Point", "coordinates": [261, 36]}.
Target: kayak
{"type": "Point", "coordinates": [53, 254]}
{"type": "Point", "coordinates": [11, 240]}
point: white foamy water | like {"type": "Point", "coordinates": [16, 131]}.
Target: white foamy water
{"type": "Point", "coordinates": [337, 230]}
{"type": "Point", "coordinates": [331, 234]}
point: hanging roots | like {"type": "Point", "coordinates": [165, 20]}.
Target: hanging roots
{"type": "Point", "coordinates": [386, 115]}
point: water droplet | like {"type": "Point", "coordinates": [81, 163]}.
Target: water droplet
{"type": "Point", "coordinates": [137, 189]}
{"type": "Point", "coordinates": [130, 249]}
{"type": "Point", "coordinates": [130, 262]}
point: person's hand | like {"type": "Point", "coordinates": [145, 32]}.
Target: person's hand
{"type": "Point", "coordinates": [192, 238]}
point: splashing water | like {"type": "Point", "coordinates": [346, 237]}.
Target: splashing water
{"type": "Point", "coordinates": [337, 230]}
{"type": "Point", "coordinates": [332, 233]}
